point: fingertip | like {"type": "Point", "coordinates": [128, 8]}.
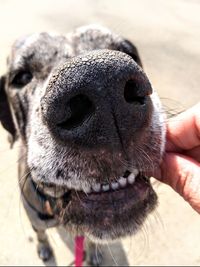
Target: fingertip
{"type": "Point", "coordinates": [183, 175]}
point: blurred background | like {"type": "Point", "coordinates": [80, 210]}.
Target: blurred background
{"type": "Point", "coordinates": [167, 35]}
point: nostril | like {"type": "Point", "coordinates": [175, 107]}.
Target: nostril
{"type": "Point", "coordinates": [131, 93]}
{"type": "Point", "coordinates": [81, 108]}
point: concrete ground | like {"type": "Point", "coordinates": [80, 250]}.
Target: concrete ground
{"type": "Point", "coordinates": [167, 34]}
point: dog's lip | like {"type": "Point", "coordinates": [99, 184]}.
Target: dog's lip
{"type": "Point", "coordinates": [121, 199]}
{"type": "Point", "coordinates": [101, 213]}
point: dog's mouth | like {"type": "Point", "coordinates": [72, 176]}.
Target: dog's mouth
{"type": "Point", "coordinates": [133, 181]}
{"type": "Point", "coordinates": [123, 193]}
{"type": "Point", "coordinates": [111, 210]}
{"type": "Point", "coordinates": [109, 204]}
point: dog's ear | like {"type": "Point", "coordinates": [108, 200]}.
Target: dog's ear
{"type": "Point", "coordinates": [127, 47]}
{"type": "Point", "coordinates": [5, 112]}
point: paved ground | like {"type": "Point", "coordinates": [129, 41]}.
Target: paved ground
{"type": "Point", "coordinates": [167, 34]}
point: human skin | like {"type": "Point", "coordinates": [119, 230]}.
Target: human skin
{"type": "Point", "coordinates": [180, 167]}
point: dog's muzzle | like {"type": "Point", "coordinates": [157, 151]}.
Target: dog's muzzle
{"type": "Point", "coordinates": [98, 110]}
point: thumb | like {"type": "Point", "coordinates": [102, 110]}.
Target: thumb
{"type": "Point", "coordinates": [183, 175]}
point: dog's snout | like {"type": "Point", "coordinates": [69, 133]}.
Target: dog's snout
{"type": "Point", "coordinates": [92, 99]}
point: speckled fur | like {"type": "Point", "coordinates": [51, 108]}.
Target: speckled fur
{"type": "Point", "coordinates": [80, 166]}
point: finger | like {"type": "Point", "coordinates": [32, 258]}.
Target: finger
{"type": "Point", "coordinates": [183, 175]}
{"type": "Point", "coordinates": [183, 131]}
{"type": "Point", "coordinates": [194, 153]}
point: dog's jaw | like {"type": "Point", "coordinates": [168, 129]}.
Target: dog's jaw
{"type": "Point", "coordinates": [80, 179]}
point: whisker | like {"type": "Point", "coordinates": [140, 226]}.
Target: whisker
{"type": "Point", "coordinates": [25, 176]}
{"type": "Point", "coordinates": [20, 215]}
{"type": "Point", "coordinates": [111, 254]}
{"type": "Point", "coordinates": [157, 217]}
{"type": "Point", "coordinates": [144, 234]}
{"type": "Point", "coordinates": [129, 250]}
{"type": "Point", "coordinates": [96, 252]}
{"type": "Point", "coordinates": [78, 196]}
{"type": "Point", "coordinates": [21, 201]}
{"type": "Point", "coordinates": [19, 182]}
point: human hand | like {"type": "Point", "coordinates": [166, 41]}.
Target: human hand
{"type": "Point", "coordinates": [180, 167]}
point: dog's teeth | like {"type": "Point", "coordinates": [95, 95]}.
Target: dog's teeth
{"type": "Point", "coordinates": [114, 186]}
{"type": "Point", "coordinates": [96, 188]}
{"type": "Point", "coordinates": [105, 187]}
{"type": "Point", "coordinates": [131, 178]}
{"type": "Point", "coordinates": [87, 190]}
{"type": "Point", "coordinates": [135, 172]}
{"type": "Point", "coordinates": [122, 181]}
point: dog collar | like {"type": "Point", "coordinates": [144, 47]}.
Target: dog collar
{"type": "Point", "coordinates": [42, 204]}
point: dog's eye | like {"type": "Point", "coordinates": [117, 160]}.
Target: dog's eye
{"type": "Point", "coordinates": [22, 78]}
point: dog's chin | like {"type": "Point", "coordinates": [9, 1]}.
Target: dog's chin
{"type": "Point", "coordinates": [108, 215]}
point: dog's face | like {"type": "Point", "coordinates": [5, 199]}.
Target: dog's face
{"type": "Point", "coordinates": [91, 124]}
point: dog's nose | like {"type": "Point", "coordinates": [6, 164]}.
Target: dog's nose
{"type": "Point", "coordinates": [99, 98]}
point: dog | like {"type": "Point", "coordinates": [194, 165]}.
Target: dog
{"type": "Point", "coordinates": [90, 127]}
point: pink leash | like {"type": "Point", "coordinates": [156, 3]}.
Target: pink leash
{"type": "Point", "coordinates": [79, 251]}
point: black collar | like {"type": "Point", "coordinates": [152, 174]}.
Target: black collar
{"type": "Point", "coordinates": [37, 200]}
